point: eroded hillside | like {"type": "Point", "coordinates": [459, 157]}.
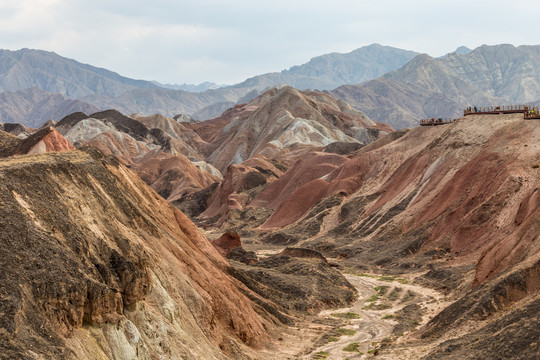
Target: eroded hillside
{"type": "Point", "coordinates": [453, 207]}
{"type": "Point", "coordinates": [96, 265]}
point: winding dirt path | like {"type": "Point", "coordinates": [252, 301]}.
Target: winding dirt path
{"type": "Point", "coordinates": [370, 328]}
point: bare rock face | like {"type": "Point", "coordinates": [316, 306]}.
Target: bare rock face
{"type": "Point", "coordinates": [458, 203]}
{"type": "Point", "coordinates": [280, 194]}
{"type": "Point", "coordinates": [162, 151]}
{"type": "Point", "coordinates": [226, 242]}
{"type": "Point", "coordinates": [44, 140]}
{"type": "Point", "coordinates": [230, 247]}
{"type": "Point", "coordinates": [442, 87]}
{"type": "Point", "coordinates": [95, 265]}
{"type": "Point", "coordinates": [467, 187]}
{"type": "Point", "coordinates": [280, 119]}
{"type": "Point", "coordinates": [234, 191]}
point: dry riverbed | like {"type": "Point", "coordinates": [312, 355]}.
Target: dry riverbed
{"type": "Point", "coordinates": [388, 310]}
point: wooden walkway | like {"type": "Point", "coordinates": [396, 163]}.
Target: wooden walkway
{"type": "Point", "coordinates": [529, 113]}
{"type": "Point", "coordinates": [496, 110]}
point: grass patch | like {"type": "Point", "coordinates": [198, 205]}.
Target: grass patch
{"type": "Point", "coordinates": [374, 306]}
{"type": "Point", "coordinates": [351, 272]}
{"type": "Point", "coordinates": [388, 316]}
{"type": "Point", "coordinates": [352, 347]}
{"type": "Point", "coordinates": [347, 315]}
{"type": "Point", "coordinates": [402, 281]}
{"type": "Point", "coordinates": [320, 355]}
{"type": "Point", "coordinates": [535, 166]}
{"type": "Point", "coordinates": [373, 298]}
{"type": "Point", "coordinates": [381, 290]}
{"type": "Point", "coordinates": [387, 278]}
{"type": "Point", "coordinates": [333, 338]}
{"type": "Point", "coordinates": [348, 332]}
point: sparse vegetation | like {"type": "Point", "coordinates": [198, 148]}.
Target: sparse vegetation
{"type": "Point", "coordinates": [347, 315]}
{"type": "Point", "coordinates": [352, 347]}
{"type": "Point", "coordinates": [373, 298]}
{"type": "Point", "coordinates": [321, 355]}
{"type": "Point", "coordinates": [535, 166]}
{"type": "Point", "coordinates": [394, 295]}
{"type": "Point", "coordinates": [352, 272]}
{"type": "Point", "coordinates": [348, 332]}
{"type": "Point", "coordinates": [388, 316]}
{"type": "Point", "coordinates": [408, 296]}
{"type": "Point", "coordinates": [373, 306]}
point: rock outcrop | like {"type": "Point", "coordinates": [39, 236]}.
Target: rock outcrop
{"type": "Point", "coordinates": [96, 265]}
{"type": "Point", "coordinates": [280, 120]}
{"type": "Point", "coordinates": [162, 151]}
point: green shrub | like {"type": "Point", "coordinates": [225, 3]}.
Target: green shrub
{"type": "Point", "coordinates": [373, 298]}
{"type": "Point", "coordinates": [348, 332]}
{"type": "Point", "coordinates": [347, 315]}
{"type": "Point", "coordinates": [320, 355]}
{"type": "Point", "coordinates": [352, 347]}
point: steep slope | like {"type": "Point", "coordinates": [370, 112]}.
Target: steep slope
{"type": "Point", "coordinates": [282, 119]}
{"type": "Point", "coordinates": [110, 269]}
{"type": "Point", "coordinates": [463, 187]}
{"type": "Point", "coordinates": [45, 140]}
{"type": "Point", "coordinates": [503, 71]}
{"type": "Point", "coordinates": [28, 68]}
{"type": "Point", "coordinates": [454, 207]}
{"type": "Point", "coordinates": [160, 152]}
{"type": "Point", "coordinates": [332, 70]}
{"type": "Point", "coordinates": [397, 104]}
{"type": "Point", "coordinates": [8, 143]}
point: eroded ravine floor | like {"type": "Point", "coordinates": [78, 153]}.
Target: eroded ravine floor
{"type": "Point", "coordinates": [387, 310]}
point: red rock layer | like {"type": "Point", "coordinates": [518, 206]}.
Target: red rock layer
{"type": "Point", "coordinates": [45, 140]}
{"type": "Point", "coordinates": [473, 183]}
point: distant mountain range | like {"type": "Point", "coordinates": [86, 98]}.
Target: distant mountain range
{"type": "Point", "coordinates": [27, 68]}
{"type": "Point", "coordinates": [390, 85]}
{"type": "Point", "coordinates": [332, 70]}
{"type": "Point", "coordinates": [443, 87]}
{"type": "Point", "coordinates": [103, 89]}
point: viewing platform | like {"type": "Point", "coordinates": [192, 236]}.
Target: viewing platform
{"type": "Point", "coordinates": [532, 114]}
{"type": "Point", "coordinates": [438, 121]}
{"type": "Point", "coordinates": [496, 110]}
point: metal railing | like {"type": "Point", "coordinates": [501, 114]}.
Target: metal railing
{"type": "Point", "coordinates": [438, 121]}
{"type": "Point", "coordinates": [507, 109]}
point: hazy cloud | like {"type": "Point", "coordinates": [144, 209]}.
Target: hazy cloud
{"type": "Point", "coordinates": [226, 42]}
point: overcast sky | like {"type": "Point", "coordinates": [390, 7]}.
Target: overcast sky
{"type": "Point", "coordinates": [177, 41]}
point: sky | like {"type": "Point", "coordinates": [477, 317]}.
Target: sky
{"type": "Point", "coordinates": [226, 42]}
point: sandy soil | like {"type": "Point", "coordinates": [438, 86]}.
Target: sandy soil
{"type": "Point", "coordinates": [370, 328]}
